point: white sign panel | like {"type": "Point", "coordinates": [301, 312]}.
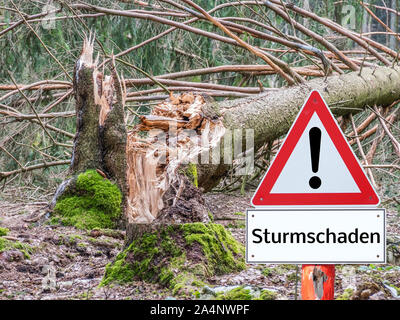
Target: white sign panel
{"type": "Point", "coordinates": [316, 236]}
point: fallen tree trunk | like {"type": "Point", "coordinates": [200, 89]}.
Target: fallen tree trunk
{"type": "Point", "coordinates": [271, 115]}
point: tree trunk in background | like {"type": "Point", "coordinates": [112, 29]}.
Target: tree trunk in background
{"type": "Point", "coordinates": [338, 12]}
{"type": "Point", "coordinates": [365, 22]}
{"type": "Point", "coordinates": [306, 6]}
{"type": "Point", "coordinates": [394, 25]}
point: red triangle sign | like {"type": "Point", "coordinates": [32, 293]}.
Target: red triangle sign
{"type": "Point", "coordinates": [315, 165]}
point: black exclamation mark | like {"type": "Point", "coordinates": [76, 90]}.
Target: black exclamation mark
{"type": "Point", "coordinates": [315, 145]}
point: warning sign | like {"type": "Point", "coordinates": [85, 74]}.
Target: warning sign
{"type": "Point", "coordinates": [315, 165]}
{"type": "Point", "coordinates": [323, 236]}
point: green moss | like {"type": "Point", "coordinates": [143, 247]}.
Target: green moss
{"type": "Point", "coordinates": [292, 277]}
{"type": "Point", "coordinates": [108, 232]}
{"type": "Point", "coordinates": [198, 283]}
{"type": "Point", "coordinates": [288, 266]}
{"type": "Point", "coordinates": [25, 253]}
{"type": "Point", "coordinates": [3, 244]}
{"type": "Point", "coordinates": [346, 295]}
{"type": "Point", "coordinates": [224, 254]}
{"type": "Point", "coordinates": [191, 173]}
{"type": "Point", "coordinates": [180, 285]}
{"type": "Point", "coordinates": [282, 269]}
{"type": "Point", "coordinates": [146, 249]}
{"type": "Point", "coordinates": [161, 257]}
{"type": "Point", "coordinates": [239, 214]}
{"type": "Point", "coordinates": [95, 203]}
{"type": "Point", "coordinates": [243, 293]}
{"type": "Point", "coordinates": [118, 271]}
{"type": "Point", "coordinates": [70, 240]}
{"type": "Point", "coordinates": [267, 271]}
{"type": "Point", "coordinates": [239, 293]}
{"type": "Point", "coordinates": [396, 288]}
{"type": "Point", "coordinates": [237, 225]}
{"type": "Point", "coordinates": [185, 282]}
{"type": "Point", "coordinates": [6, 245]}
{"type": "Point", "coordinates": [3, 231]}
{"type": "Point", "coordinates": [73, 239]}
{"type": "Point", "coordinates": [267, 295]}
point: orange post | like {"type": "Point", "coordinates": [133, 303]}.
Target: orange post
{"type": "Point", "coordinates": [317, 282]}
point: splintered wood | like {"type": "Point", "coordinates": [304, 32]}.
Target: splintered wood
{"type": "Point", "coordinates": [104, 95]}
{"type": "Point", "coordinates": [175, 133]}
{"type": "Point", "coordinates": [103, 86]}
{"type": "Point", "coordinates": [148, 162]}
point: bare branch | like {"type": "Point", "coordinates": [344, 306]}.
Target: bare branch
{"type": "Point", "coordinates": [34, 167]}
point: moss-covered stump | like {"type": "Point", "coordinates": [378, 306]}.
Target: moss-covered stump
{"type": "Point", "coordinates": [89, 201]}
{"type": "Point", "coordinates": [179, 256]}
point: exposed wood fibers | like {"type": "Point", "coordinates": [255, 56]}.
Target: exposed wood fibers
{"type": "Point", "coordinates": [175, 133]}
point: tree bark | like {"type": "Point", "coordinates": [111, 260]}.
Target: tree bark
{"type": "Point", "coordinates": [87, 146]}
{"type": "Point", "coordinates": [100, 140]}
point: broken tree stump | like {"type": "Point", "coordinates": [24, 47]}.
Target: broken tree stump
{"type": "Point", "coordinates": [99, 149]}
{"type": "Point", "coordinates": [148, 179]}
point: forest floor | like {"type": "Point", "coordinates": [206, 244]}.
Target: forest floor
{"type": "Point", "coordinates": [67, 263]}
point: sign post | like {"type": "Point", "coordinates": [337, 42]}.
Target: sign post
{"type": "Point", "coordinates": [317, 282]}
{"type": "Point", "coordinates": [315, 206]}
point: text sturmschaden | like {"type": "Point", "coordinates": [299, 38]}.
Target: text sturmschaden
{"type": "Point", "coordinates": [326, 236]}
